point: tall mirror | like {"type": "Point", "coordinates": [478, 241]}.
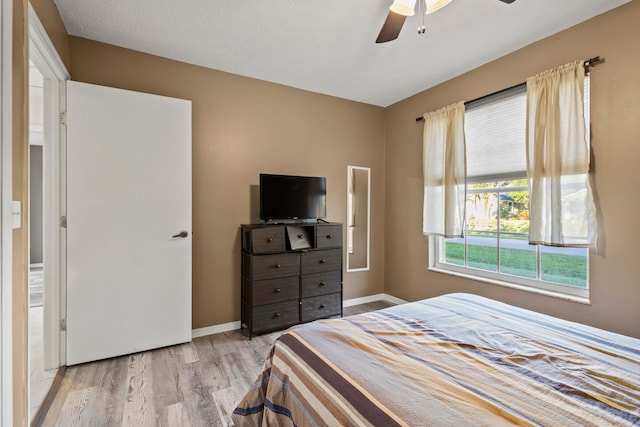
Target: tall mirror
{"type": "Point", "coordinates": [358, 217]}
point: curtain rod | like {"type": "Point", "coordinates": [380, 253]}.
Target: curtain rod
{"type": "Point", "coordinates": [588, 65]}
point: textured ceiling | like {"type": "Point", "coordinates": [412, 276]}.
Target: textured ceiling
{"type": "Point", "coordinates": [326, 46]}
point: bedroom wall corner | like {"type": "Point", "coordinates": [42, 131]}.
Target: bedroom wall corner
{"type": "Point", "coordinates": [242, 127]}
{"type": "Point", "coordinates": [615, 97]}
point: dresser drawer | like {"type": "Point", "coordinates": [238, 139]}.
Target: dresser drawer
{"type": "Point", "coordinates": [267, 240]}
{"type": "Point", "coordinates": [320, 283]}
{"type": "Point", "coordinates": [320, 307]}
{"type": "Point", "coordinates": [274, 290]}
{"type": "Point", "coordinates": [262, 267]}
{"type": "Point", "coordinates": [328, 236]}
{"type": "Point", "coordinates": [321, 261]}
{"type": "Point", "coordinates": [275, 316]}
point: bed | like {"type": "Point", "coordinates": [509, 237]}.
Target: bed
{"type": "Point", "coordinates": [453, 360]}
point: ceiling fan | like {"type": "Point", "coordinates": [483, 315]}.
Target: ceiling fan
{"type": "Point", "coordinates": [399, 11]}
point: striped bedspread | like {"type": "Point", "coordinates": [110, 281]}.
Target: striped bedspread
{"type": "Point", "coordinates": [454, 360]}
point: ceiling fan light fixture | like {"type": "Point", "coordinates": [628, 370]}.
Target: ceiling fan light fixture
{"type": "Point", "coordinates": [403, 7]}
{"type": "Point", "coordinates": [435, 5]}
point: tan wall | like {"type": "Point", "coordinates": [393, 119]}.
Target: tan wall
{"type": "Point", "coordinates": [20, 252]}
{"type": "Point", "coordinates": [615, 96]}
{"type": "Point", "coordinates": [242, 127]}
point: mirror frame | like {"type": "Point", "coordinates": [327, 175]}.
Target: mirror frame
{"type": "Point", "coordinates": [350, 170]}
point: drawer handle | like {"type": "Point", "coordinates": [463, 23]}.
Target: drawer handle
{"type": "Point", "coordinates": [330, 236]}
{"type": "Point", "coordinates": [323, 261]}
{"type": "Point", "coordinates": [322, 284]}
{"type": "Point", "coordinates": [269, 240]}
{"type": "Point", "coordinates": [322, 306]}
{"type": "Point", "coordinates": [276, 291]}
{"type": "Point", "coordinates": [278, 266]}
{"type": "Point", "coordinates": [300, 236]}
{"type": "Point", "coordinates": [276, 315]}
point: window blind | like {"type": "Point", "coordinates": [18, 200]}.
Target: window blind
{"type": "Point", "coordinates": [496, 148]}
{"type": "Point", "coordinates": [495, 130]}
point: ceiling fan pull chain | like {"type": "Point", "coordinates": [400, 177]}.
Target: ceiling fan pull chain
{"type": "Point", "coordinates": [421, 29]}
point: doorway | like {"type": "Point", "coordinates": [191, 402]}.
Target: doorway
{"type": "Point", "coordinates": [40, 379]}
{"type": "Point", "coordinates": [46, 207]}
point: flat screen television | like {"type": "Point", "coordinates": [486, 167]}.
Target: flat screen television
{"type": "Point", "coordinates": [285, 197]}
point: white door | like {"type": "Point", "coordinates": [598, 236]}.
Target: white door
{"type": "Point", "coordinates": [128, 201]}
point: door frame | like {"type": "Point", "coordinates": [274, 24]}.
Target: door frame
{"type": "Point", "coordinates": [45, 57]}
{"type": "Point", "coordinates": [6, 142]}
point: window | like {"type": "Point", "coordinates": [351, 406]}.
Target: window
{"type": "Point", "coordinates": [495, 245]}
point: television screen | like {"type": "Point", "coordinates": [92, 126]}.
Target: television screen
{"type": "Point", "coordinates": [292, 197]}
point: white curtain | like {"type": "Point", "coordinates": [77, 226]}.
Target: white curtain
{"type": "Point", "coordinates": [561, 207]}
{"type": "Point", "coordinates": [444, 172]}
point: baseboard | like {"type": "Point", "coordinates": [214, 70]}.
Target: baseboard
{"type": "Point", "coordinates": [215, 329]}
{"type": "Point", "coordinates": [393, 299]}
{"type": "Point", "coordinates": [232, 326]}
{"type": "Point", "coordinates": [372, 298]}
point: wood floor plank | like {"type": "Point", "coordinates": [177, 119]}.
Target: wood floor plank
{"type": "Point", "coordinates": [364, 308]}
{"type": "Point", "coordinates": [74, 411]}
{"type": "Point", "coordinates": [175, 415]}
{"type": "Point", "coordinates": [227, 399]}
{"type": "Point", "coordinates": [199, 403]}
{"type": "Point", "coordinates": [166, 378]}
{"type": "Point", "coordinates": [194, 384]}
{"type": "Point", "coordinates": [188, 353]}
{"type": "Point", "coordinates": [112, 386]}
{"type": "Point", "coordinates": [210, 355]}
{"type": "Point", "coordinates": [240, 365]}
{"type": "Point", "coordinates": [106, 379]}
{"type": "Point", "coordinates": [260, 348]}
{"type": "Point", "coordinates": [139, 406]}
{"type": "Point", "coordinates": [94, 412]}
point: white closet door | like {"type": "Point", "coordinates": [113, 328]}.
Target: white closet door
{"type": "Point", "coordinates": [128, 193]}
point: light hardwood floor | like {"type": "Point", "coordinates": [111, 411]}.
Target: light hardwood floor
{"type": "Point", "coordinates": [193, 384]}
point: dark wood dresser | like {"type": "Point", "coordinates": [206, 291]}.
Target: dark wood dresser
{"type": "Point", "coordinates": [291, 273]}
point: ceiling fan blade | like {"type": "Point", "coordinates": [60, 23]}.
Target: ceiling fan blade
{"type": "Point", "coordinates": [391, 27]}
{"type": "Point", "coordinates": [507, 1]}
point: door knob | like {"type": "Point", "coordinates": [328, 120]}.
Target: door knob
{"type": "Point", "coordinates": [181, 234]}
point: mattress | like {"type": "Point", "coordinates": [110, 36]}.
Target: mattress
{"type": "Point", "coordinates": [456, 359]}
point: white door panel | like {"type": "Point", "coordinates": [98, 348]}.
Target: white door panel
{"type": "Point", "coordinates": [128, 192]}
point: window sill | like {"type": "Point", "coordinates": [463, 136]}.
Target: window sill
{"type": "Point", "coordinates": [558, 295]}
